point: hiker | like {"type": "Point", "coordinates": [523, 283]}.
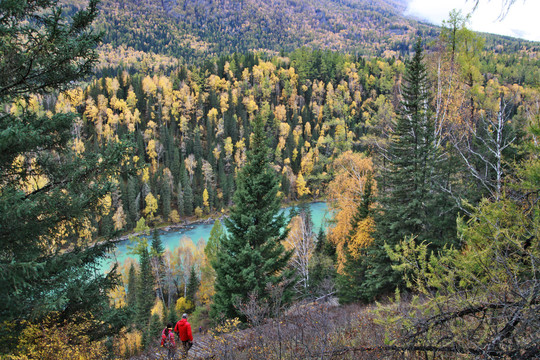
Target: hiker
{"type": "Point", "coordinates": [183, 329]}
{"type": "Point", "coordinates": [167, 341]}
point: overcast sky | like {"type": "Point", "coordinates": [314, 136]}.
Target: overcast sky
{"type": "Point", "coordinates": [522, 20]}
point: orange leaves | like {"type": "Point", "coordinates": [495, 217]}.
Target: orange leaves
{"type": "Point", "coordinates": [362, 236]}
{"type": "Point", "coordinates": [345, 193]}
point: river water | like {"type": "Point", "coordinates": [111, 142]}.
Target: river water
{"type": "Point", "coordinates": [196, 232]}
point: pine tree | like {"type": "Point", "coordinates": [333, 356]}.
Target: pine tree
{"type": "Point", "coordinates": [157, 244]}
{"type": "Point", "coordinates": [132, 200]}
{"type": "Point", "coordinates": [132, 287]}
{"type": "Point", "coordinates": [145, 290]}
{"type": "Point", "coordinates": [411, 198]}
{"type": "Point", "coordinates": [166, 201]}
{"type": "Point", "coordinates": [180, 199]}
{"type": "Point", "coordinates": [188, 199]}
{"type": "Point", "coordinates": [252, 256]}
{"type": "Point", "coordinates": [153, 331]}
{"type": "Point", "coordinates": [172, 316]}
{"type": "Point", "coordinates": [156, 253]}
{"type": "Point", "coordinates": [42, 52]}
{"type": "Point", "coordinates": [193, 285]}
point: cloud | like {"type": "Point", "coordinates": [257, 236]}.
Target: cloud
{"type": "Point", "coordinates": [521, 20]}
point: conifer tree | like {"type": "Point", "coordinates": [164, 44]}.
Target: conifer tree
{"type": "Point", "coordinates": [132, 200]}
{"type": "Point", "coordinates": [156, 253]}
{"type": "Point", "coordinates": [192, 285]}
{"type": "Point", "coordinates": [155, 326]}
{"type": "Point", "coordinates": [252, 256]}
{"type": "Point", "coordinates": [166, 201]}
{"type": "Point", "coordinates": [145, 290]}
{"type": "Point", "coordinates": [180, 199]}
{"type": "Point", "coordinates": [188, 199]}
{"type": "Point", "coordinates": [132, 287]}
{"type": "Point", "coordinates": [411, 201]}
{"type": "Point", "coordinates": [42, 51]}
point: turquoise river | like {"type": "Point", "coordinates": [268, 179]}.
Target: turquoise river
{"type": "Point", "coordinates": [198, 231]}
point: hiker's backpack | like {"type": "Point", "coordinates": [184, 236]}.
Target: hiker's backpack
{"type": "Point", "coordinates": [166, 340]}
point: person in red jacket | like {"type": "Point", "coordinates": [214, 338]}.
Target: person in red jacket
{"type": "Point", "coordinates": [183, 329]}
{"type": "Point", "coordinates": [167, 341]}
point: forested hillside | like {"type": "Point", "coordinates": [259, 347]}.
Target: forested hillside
{"type": "Point", "coordinates": [189, 29]}
{"type": "Point", "coordinates": [192, 30]}
{"type": "Point", "coordinates": [424, 147]}
{"type": "Point", "coordinates": [191, 125]}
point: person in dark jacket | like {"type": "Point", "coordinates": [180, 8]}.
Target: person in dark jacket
{"type": "Point", "coordinates": [183, 329]}
{"type": "Point", "coordinates": [167, 341]}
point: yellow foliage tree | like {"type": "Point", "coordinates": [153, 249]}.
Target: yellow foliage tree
{"type": "Point", "coordinates": [344, 194]}
{"type": "Point", "coordinates": [183, 305]}
{"type": "Point", "coordinates": [151, 206]}
{"type": "Point", "coordinates": [174, 217]}
{"type": "Point", "coordinates": [205, 199]}
{"type": "Point", "coordinates": [119, 218]}
{"type": "Point", "coordinates": [52, 339]}
{"type": "Point", "coordinates": [159, 309]}
{"type": "Point", "coordinates": [301, 188]}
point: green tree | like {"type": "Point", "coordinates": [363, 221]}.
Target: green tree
{"type": "Point", "coordinates": [145, 290]}
{"type": "Point", "coordinates": [252, 255]}
{"type": "Point", "coordinates": [180, 199]}
{"type": "Point", "coordinates": [188, 199]}
{"type": "Point", "coordinates": [212, 247]}
{"type": "Point", "coordinates": [48, 193]}
{"type": "Point", "coordinates": [481, 300]}
{"type": "Point", "coordinates": [133, 201]}
{"type": "Point", "coordinates": [132, 287]}
{"type": "Point", "coordinates": [156, 259]}
{"type": "Point", "coordinates": [412, 201]}
{"type": "Point", "coordinates": [192, 285]}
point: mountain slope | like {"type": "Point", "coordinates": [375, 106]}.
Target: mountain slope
{"type": "Point", "coordinates": [194, 28]}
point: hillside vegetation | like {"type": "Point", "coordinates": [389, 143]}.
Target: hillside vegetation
{"type": "Point", "coordinates": [425, 149]}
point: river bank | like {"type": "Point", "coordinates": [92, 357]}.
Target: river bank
{"type": "Point", "coordinates": [189, 224]}
{"type": "Point", "coordinates": [172, 235]}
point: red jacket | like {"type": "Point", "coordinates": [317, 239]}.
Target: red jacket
{"type": "Point", "coordinates": [183, 329]}
{"type": "Point", "coordinates": [164, 337]}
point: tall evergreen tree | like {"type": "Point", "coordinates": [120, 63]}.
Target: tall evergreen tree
{"type": "Point", "coordinates": [145, 290]}
{"type": "Point", "coordinates": [252, 256]}
{"type": "Point", "coordinates": [133, 201]}
{"type": "Point", "coordinates": [188, 199]}
{"type": "Point", "coordinates": [411, 201]}
{"type": "Point", "coordinates": [192, 285]}
{"type": "Point", "coordinates": [156, 253]}
{"type": "Point", "coordinates": [42, 52]}
{"type": "Point", "coordinates": [166, 200]}
{"type": "Point", "coordinates": [132, 287]}
{"type": "Point", "coordinates": [180, 199]}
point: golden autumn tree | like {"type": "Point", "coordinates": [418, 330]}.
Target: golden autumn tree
{"type": "Point", "coordinates": [301, 186]}
{"type": "Point", "coordinates": [344, 193]}
{"type": "Point", "coordinates": [151, 206]}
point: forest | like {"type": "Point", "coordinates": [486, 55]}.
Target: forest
{"type": "Point", "coordinates": [426, 152]}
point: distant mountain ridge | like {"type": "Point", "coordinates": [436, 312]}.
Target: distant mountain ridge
{"type": "Point", "coordinates": [190, 29]}
{"type": "Point", "coordinates": [193, 29]}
